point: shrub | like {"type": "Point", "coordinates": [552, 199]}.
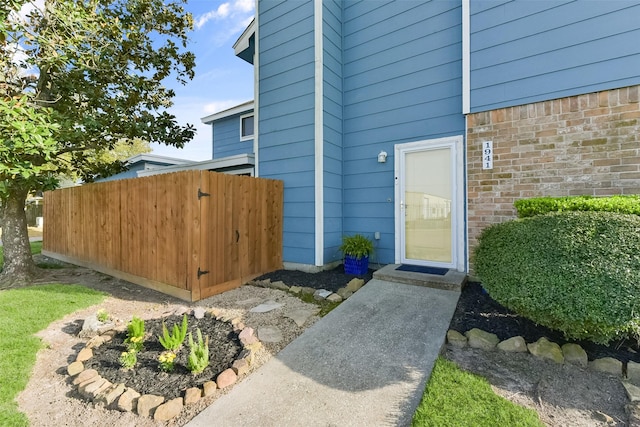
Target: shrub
{"type": "Point", "coordinates": [576, 272]}
{"type": "Point", "coordinates": [629, 204]}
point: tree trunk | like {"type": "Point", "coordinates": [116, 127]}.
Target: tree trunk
{"type": "Point", "coordinates": [18, 263]}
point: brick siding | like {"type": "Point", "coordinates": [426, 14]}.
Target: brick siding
{"type": "Point", "coordinates": [585, 144]}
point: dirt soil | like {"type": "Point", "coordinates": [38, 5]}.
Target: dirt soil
{"type": "Point", "coordinates": [563, 395]}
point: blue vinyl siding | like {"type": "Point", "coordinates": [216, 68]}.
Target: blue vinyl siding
{"type": "Point", "coordinates": [402, 77]}
{"type": "Point", "coordinates": [226, 138]}
{"type": "Point", "coordinates": [332, 122]}
{"type": "Point", "coordinates": [286, 119]}
{"type": "Point", "coordinates": [524, 52]}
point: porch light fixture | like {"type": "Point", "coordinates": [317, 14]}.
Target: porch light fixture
{"type": "Point", "coordinates": [382, 157]}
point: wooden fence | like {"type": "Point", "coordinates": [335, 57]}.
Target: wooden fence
{"type": "Point", "coordinates": [189, 234]}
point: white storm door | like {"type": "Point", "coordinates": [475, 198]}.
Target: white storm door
{"type": "Point", "coordinates": [429, 203]}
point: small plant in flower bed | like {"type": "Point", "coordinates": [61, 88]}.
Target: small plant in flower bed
{"type": "Point", "coordinates": [102, 315]}
{"type": "Point", "coordinates": [166, 360]}
{"type": "Point", "coordinates": [173, 341]}
{"type": "Point", "coordinates": [198, 354]}
{"type": "Point", "coordinates": [135, 334]}
{"type": "Point", "coordinates": [128, 359]}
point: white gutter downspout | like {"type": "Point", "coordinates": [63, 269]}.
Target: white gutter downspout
{"type": "Point", "coordinates": [318, 134]}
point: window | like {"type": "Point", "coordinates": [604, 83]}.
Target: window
{"type": "Point", "coordinates": [246, 127]}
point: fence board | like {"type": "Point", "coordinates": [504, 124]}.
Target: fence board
{"type": "Point", "coordinates": [156, 232]}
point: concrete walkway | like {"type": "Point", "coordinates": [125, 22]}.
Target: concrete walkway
{"type": "Point", "coordinates": [364, 364]}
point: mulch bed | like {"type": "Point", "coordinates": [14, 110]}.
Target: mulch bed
{"type": "Point", "coordinates": [331, 280]}
{"type": "Point", "coordinates": [476, 309]}
{"type": "Point", "coordinates": [147, 378]}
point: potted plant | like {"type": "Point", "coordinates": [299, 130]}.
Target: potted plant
{"type": "Point", "coordinates": [356, 250]}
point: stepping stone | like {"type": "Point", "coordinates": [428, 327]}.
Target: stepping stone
{"type": "Point", "coordinates": [270, 334]}
{"type": "Point", "coordinates": [266, 307]}
{"type": "Point", "coordinates": [300, 316]}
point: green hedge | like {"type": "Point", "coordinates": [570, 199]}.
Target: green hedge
{"type": "Point", "coordinates": [629, 204]}
{"type": "Point", "coordinates": [576, 272]}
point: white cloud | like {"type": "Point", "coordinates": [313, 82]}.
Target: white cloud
{"type": "Point", "coordinates": [234, 10]}
{"type": "Point", "coordinates": [217, 106]}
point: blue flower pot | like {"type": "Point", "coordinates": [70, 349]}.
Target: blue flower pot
{"type": "Point", "coordinates": [356, 266]}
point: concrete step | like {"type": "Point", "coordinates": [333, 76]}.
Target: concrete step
{"type": "Point", "coordinates": [451, 281]}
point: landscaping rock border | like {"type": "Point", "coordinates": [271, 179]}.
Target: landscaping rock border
{"type": "Point", "coordinates": [628, 373]}
{"type": "Point", "coordinates": [92, 387]}
{"type": "Point", "coordinates": [319, 294]}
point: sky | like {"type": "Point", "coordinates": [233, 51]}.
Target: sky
{"type": "Point", "coordinates": [221, 80]}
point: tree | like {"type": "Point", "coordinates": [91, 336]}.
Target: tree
{"type": "Point", "coordinates": [77, 78]}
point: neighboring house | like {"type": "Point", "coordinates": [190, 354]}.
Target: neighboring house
{"type": "Point", "coordinates": [144, 162]}
{"type": "Point", "coordinates": [421, 122]}
{"type": "Point", "coordinates": [232, 130]}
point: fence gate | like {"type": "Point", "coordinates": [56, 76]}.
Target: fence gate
{"type": "Point", "coordinates": [240, 230]}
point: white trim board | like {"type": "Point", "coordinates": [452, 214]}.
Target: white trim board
{"type": "Point", "coordinates": [466, 57]}
{"type": "Point", "coordinates": [318, 132]}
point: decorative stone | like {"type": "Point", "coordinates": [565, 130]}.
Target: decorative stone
{"type": "Point", "coordinates": [147, 403]}
{"type": "Point", "coordinates": [633, 391]}
{"type": "Point", "coordinates": [295, 289]}
{"type": "Point", "coordinates": [91, 389]}
{"type": "Point", "coordinates": [456, 339]}
{"type": "Point", "coordinates": [240, 367]}
{"type": "Point", "coordinates": [344, 293]}
{"type": "Point", "coordinates": [633, 372]}
{"type": "Point", "coordinates": [300, 316]}
{"type": "Point", "coordinates": [85, 375]}
{"type": "Point", "coordinates": [607, 365]}
{"type": "Point", "coordinates": [575, 355]}
{"type": "Point", "coordinates": [97, 341]}
{"type": "Point", "coordinates": [247, 337]}
{"type": "Point", "coordinates": [481, 339]}
{"type": "Point", "coordinates": [168, 410]}
{"type": "Point", "coordinates": [266, 307]}
{"type": "Point", "coordinates": [334, 298]}
{"type": "Point", "coordinates": [513, 345]}
{"type": "Point", "coordinates": [110, 334]}
{"type": "Point", "coordinates": [254, 347]}
{"type": "Point", "coordinates": [128, 401]}
{"type": "Point", "coordinates": [280, 285]}
{"type": "Point", "coordinates": [90, 327]}
{"type": "Point", "coordinates": [307, 290]}
{"type": "Point", "coordinates": [247, 355]}
{"type": "Point", "coordinates": [192, 395]}
{"type": "Point", "coordinates": [75, 368]}
{"type": "Point", "coordinates": [199, 312]}
{"type": "Point", "coordinates": [545, 349]}
{"type": "Point", "coordinates": [215, 313]}
{"type": "Point", "coordinates": [84, 355]}
{"type": "Point", "coordinates": [110, 395]}
{"type": "Point", "coordinates": [226, 378]}
{"type": "Point", "coordinates": [106, 327]}
{"type": "Point", "coordinates": [355, 284]}
{"type": "Point", "coordinates": [209, 388]}
{"type": "Point", "coordinates": [321, 294]}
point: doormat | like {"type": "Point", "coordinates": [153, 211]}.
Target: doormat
{"type": "Point", "coordinates": [422, 269]}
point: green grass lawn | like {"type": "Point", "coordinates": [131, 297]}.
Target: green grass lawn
{"type": "Point", "coordinates": [24, 312]}
{"type": "Point", "coordinates": [455, 398]}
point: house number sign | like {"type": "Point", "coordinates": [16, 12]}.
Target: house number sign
{"type": "Point", "coordinates": [487, 155]}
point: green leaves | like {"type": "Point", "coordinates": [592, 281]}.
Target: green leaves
{"type": "Point", "coordinates": [173, 341]}
{"type": "Point", "coordinates": [198, 353]}
{"type": "Point", "coordinates": [628, 204]}
{"type": "Point", "coordinates": [576, 272]}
